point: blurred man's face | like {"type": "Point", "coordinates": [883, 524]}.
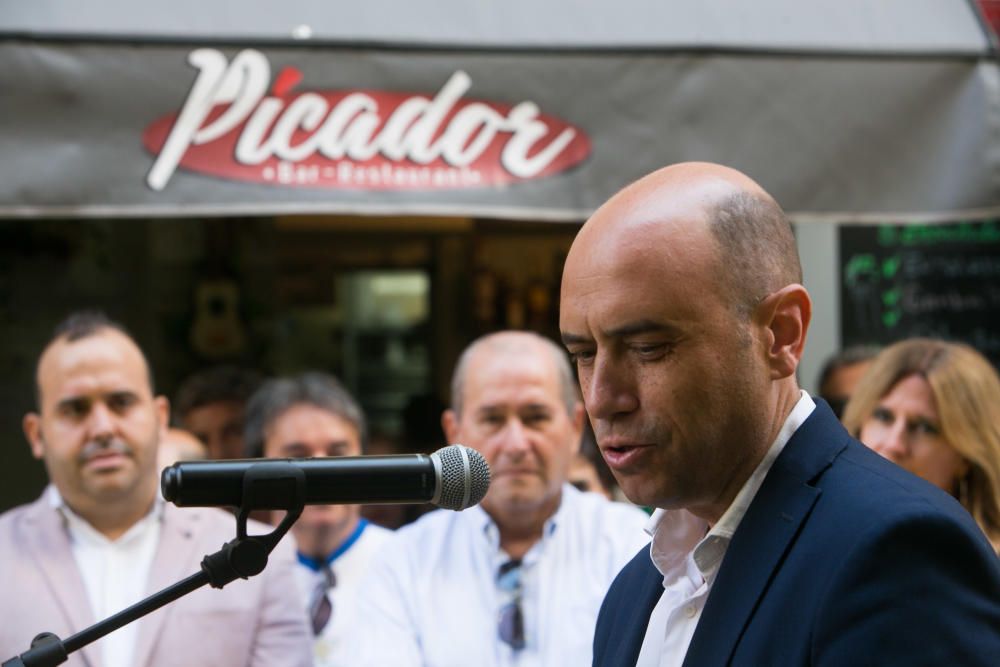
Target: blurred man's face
{"type": "Point", "coordinates": [306, 431]}
{"type": "Point", "coordinates": [99, 424]}
{"type": "Point", "coordinates": [840, 385]}
{"type": "Point", "coordinates": [179, 445]}
{"type": "Point", "coordinates": [514, 415]}
{"type": "Point", "coordinates": [583, 475]}
{"type": "Point", "coordinates": [219, 426]}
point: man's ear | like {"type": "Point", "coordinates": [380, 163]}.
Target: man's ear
{"type": "Point", "coordinates": [162, 406]}
{"type": "Point", "coordinates": [32, 425]}
{"type": "Point", "coordinates": [785, 316]}
{"type": "Point", "coordinates": [449, 424]}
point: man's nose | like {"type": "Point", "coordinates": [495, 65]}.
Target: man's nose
{"type": "Point", "coordinates": [100, 422]}
{"type": "Point", "coordinates": [608, 393]}
{"type": "Point", "coordinates": [515, 436]}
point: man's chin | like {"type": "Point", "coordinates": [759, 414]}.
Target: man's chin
{"type": "Point", "coordinates": [511, 501]}
{"type": "Point", "coordinates": [330, 516]}
{"type": "Point", "coordinates": [109, 472]}
{"type": "Point", "coordinates": [319, 528]}
{"type": "Point", "coordinates": [641, 492]}
{"type": "Point", "coordinates": [100, 477]}
{"type": "Point", "coordinates": [110, 485]}
{"type": "Point", "coordinates": [324, 528]}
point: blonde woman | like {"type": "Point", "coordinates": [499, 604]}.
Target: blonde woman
{"type": "Point", "coordinates": [933, 408]}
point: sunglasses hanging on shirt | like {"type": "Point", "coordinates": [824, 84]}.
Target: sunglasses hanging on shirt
{"type": "Point", "coordinates": [321, 608]}
{"type": "Point", "coordinates": [510, 618]}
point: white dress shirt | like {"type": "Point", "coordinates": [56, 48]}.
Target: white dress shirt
{"type": "Point", "coordinates": [115, 573]}
{"type": "Point", "coordinates": [689, 559]}
{"type": "Point", "coordinates": [349, 564]}
{"type": "Point", "coordinates": [431, 597]}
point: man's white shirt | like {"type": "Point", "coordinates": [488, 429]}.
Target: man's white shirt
{"type": "Point", "coordinates": [349, 565]}
{"type": "Point", "coordinates": [431, 597]}
{"type": "Point", "coordinates": [115, 573]}
{"type": "Point", "coordinates": [689, 559]}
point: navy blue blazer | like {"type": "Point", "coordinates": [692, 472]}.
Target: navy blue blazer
{"type": "Point", "coordinates": [841, 559]}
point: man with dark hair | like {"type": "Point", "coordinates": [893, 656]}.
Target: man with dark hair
{"type": "Point", "coordinates": [779, 540]}
{"type": "Point", "coordinates": [100, 538]}
{"type": "Point", "coordinates": [210, 404]}
{"type": "Point", "coordinates": [842, 373]}
{"type": "Point", "coordinates": [518, 579]}
{"type": "Point", "coordinates": [313, 415]}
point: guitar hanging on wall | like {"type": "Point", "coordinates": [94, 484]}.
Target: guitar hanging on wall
{"type": "Point", "coordinates": [217, 332]}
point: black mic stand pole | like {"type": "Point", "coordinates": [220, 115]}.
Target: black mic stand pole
{"type": "Point", "coordinates": [269, 484]}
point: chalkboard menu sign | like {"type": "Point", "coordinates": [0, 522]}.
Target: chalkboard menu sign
{"type": "Point", "coordinates": [922, 280]}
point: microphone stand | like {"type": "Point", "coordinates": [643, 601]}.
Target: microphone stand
{"type": "Point", "coordinates": [270, 485]}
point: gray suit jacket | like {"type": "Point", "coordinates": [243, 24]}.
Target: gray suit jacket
{"type": "Point", "coordinates": [258, 622]}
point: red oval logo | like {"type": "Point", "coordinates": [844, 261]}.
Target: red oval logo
{"type": "Point", "coordinates": [354, 139]}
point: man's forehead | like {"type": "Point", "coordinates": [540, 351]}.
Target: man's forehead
{"type": "Point", "coordinates": [107, 354]}
{"type": "Point", "coordinates": [512, 375]}
{"type": "Point", "coordinates": [223, 411]}
{"type": "Point", "coordinates": [520, 356]}
{"type": "Point", "coordinates": [622, 280]}
{"type": "Point", "coordinates": [527, 400]}
{"type": "Point", "coordinates": [525, 383]}
{"type": "Point", "coordinates": [316, 418]}
{"type": "Point", "coordinates": [622, 235]}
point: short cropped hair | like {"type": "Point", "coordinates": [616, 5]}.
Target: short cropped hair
{"type": "Point", "coordinates": [757, 248]}
{"type": "Point", "coordinates": [84, 324]}
{"type": "Point", "coordinates": [854, 354]}
{"type": "Point", "coordinates": [215, 385]}
{"type": "Point", "coordinates": [277, 396]}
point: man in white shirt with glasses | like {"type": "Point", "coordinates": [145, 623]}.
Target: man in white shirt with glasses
{"type": "Point", "coordinates": [313, 415]}
{"type": "Point", "coordinates": [517, 580]}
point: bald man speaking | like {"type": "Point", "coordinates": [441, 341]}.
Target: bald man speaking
{"type": "Point", "coordinates": [779, 539]}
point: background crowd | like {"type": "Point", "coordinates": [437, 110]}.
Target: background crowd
{"type": "Point", "coordinates": [522, 578]}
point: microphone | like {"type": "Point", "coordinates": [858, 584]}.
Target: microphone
{"type": "Point", "coordinates": [454, 477]}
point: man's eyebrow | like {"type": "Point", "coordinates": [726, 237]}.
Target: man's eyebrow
{"type": "Point", "coordinates": [629, 329]}
{"type": "Point", "coordinates": [573, 339]}
{"type": "Point", "coordinates": [340, 442]}
{"type": "Point", "coordinates": [122, 393]}
{"type": "Point", "coordinates": [72, 401]}
{"type": "Point", "coordinates": [294, 444]}
{"type": "Point", "coordinates": [641, 327]}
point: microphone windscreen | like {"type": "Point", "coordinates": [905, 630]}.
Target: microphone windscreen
{"type": "Point", "coordinates": [465, 477]}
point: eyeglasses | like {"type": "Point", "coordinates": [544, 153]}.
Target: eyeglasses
{"type": "Point", "coordinates": [320, 607]}
{"type": "Point", "coordinates": [510, 619]}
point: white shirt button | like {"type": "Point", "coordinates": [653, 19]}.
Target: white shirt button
{"type": "Point", "coordinates": [690, 611]}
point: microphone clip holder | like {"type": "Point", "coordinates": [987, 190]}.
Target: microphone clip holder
{"type": "Point", "coordinates": [240, 558]}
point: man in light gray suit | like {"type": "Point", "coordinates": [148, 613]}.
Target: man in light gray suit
{"type": "Point", "coordinates": [100, 538]}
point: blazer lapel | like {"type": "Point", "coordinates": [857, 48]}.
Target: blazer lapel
{"type": "Point", "coordinates": [640, 599]}
{"type": "Point", "coordinates": [47, 540]}
{"type": "Point", "coordinates": [173, 555]}
{"type": "Point", "coordinates": [764, 536]}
